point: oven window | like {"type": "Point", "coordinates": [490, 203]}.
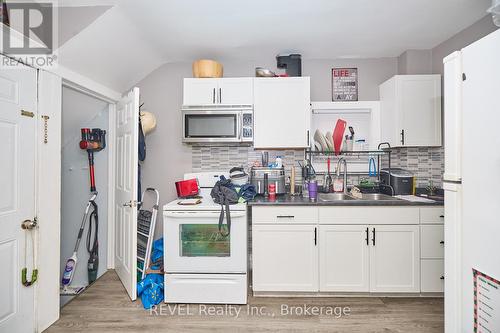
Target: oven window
{"type": "Point", "coordinates": [203, 240]}
{"type": "Point", "coordinates": [213, 126]}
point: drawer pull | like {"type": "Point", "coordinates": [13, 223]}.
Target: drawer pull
{"type": "Point", "coordinates": [441, 216]}
{"type": "Point", "coordinates": [285, 217]}
{"type": "Point", "coordinates": [441, 242]}
{"type": "Point", "coordinates": [441, 278]}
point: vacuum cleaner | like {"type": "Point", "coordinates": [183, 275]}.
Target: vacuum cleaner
{"type": "Point", "coordinates": [92, 141]}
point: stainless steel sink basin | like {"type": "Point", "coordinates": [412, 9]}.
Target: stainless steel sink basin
{"type": "Point", "coordinates": [335, 197]}
{"type": "Point", "coordinates": [378, 197]}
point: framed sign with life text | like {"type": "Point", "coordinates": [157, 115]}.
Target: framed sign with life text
{"type": "Point", "coordinates": [344, 84]}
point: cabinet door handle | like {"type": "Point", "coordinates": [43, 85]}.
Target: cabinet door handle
{"type": "Point", "coordinates": [213, 97]}
{"type": "Point", "coordinates": [308, 138]}
{"type": "Point", "coordinates": [441, 216]}
{"type": "Point", "coordinates": [367, 236]}
{"type": "Point", "coordinates": [441, 278]}
{"type": "Point", "coordinates": [441, 242]}
{"type": "Point", "coordinates": [403, 137]}
{"type": "Point", "coordinates": [220, 95]}
{"type": "Point", "coordinates": [315, 236]}
{"type": "Point", "coordinates": [373, 239]}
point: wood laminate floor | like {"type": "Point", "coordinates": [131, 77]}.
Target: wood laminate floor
{"type": "Point", "coordinates": [105, 307]}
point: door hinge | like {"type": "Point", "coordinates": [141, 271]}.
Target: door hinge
{"type": "Point", "coordinates": [27, 113]}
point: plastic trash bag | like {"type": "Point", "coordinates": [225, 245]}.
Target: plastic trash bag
{"type": "Point", "coordinates": [151, 288]}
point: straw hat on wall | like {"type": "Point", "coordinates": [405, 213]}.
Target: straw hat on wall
{"type": "Point", "coordinates": [148, 121]}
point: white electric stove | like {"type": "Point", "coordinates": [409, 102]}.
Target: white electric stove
{"type": "Point", "coordinates": [202, 265]}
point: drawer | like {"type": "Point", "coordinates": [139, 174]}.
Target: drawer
{"type": "Point", "coordinates": [368, 215]}
{"type": "Point", "coordinates": [432, 276]}
{"type": "Point", "coordinates": [432, 241]}
{"type": "Point", "coordinates": [432, 215]}
{"type": "Point", "coordinates": [206, 288]}
{"type": "Point", "coordinates": [285, 215]}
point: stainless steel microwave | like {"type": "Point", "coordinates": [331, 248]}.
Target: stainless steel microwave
{"type": "Point", "coordinates": [217, 124]}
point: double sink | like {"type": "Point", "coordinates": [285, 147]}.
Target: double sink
{"type": "Point", "coordinates": [332, 197]}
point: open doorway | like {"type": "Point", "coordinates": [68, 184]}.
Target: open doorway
{"type": "Point", "coordinates": [79, 111]}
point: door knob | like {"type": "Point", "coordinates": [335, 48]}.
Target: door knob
{"type": "Point", "coordinates": [28, 224]}
{"type": "Point", "coordinates": [131, 203]}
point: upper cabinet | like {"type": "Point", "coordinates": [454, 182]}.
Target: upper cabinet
{"type": "Point", "coordinates": [223, 91]}
{"type": "Point", "coordinates": [410, 108]}
{"type": "Point", "coordinates": [282, 112]}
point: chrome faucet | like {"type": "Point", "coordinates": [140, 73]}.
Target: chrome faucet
{"type": "Point", "coordinates": [343, 161]}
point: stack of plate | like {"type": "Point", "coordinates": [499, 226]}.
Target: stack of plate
{"type": "Point", "coordinates": [323, 142]}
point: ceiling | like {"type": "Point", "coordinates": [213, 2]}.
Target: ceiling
{"type": "Point", "coordinates": [117, 43]}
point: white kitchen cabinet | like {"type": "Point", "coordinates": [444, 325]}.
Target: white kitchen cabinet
{"type": "Point", "coordinates": [432, 241]}
{"type": "Point", "coordinates": [285, 215]}
{"type": "Point", "coordinates": [235, 91]}
{"type": "Point", "coordinates": [199, 91]}
{"type": "Point", "coordinates": [282, 112]}
{"type": "Point", "coordinates": [344, 258]}
{"type": "Point", "coordinates": [432, 278]}
{"type": "Point", "coordinates": [410, 111]}
{"type": "Point", "coordinates": [395, 258]}
{"type": "Point", "coordinates": [223, 91]}
{"type": "Point", "coordinates": [285, 258]}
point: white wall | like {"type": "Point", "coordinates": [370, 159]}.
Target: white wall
{"type": "Point", "coordinates": [463, 38]}
{"type": "Point", "coordinates": [415, 62]}
{"type": "Point", "coordinates": [79, 110]}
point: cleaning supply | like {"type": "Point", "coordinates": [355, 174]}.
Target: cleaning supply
{"type": "Point", "coordinates": [327, 183]}
{"type": "Point", "coordinates": [92, 141]}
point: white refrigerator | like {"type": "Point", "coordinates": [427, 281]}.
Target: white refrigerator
{"type": "Point", "coordinates": [472, 183]}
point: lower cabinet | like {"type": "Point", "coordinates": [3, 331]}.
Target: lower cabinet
{"type": "Point", "coordinates": [395, 258]}
{"type": "Point", "coordinates": [285, 257]}
{"type": "Point", "coordinates": [344, 258]}
{"type": "Point", "coordinates": [343, 250]}
{"type": "Point", "coordinates": [432, 278]}
{"type": "Point", "coordinates": [374, 258]}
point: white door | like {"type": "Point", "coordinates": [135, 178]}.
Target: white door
{"type": "Point", "coordinates": [394, 258]}
{"type": "Point", "coordinates": [127, 159]}
{"type": "Point", "coordinates": [282, 112]}
{"type": "Point", "coordinates": [285, 258]}
{"type": "Point", "coordinates": [200, 92]}
{"type": "Point", "coordinates": [235, 91]}
{"type": "Point", "coordinates": [18, 93]}
{"type": "Point", "coordinates": [344, 253]}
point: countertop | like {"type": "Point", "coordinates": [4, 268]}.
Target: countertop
{"type": "Point", "coordinates": [287, 200]}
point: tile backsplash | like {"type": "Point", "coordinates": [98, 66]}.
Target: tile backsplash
{"type": "Point", "coordinates": [426, 163]}
{"type": "Point", "coordinates": [208, 158]}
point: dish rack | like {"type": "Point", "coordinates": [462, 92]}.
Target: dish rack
{"type": "Point", "coordinates": [383, 149]}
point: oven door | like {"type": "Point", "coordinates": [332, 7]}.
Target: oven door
{"type": "Point", "coordinates": [193, 243]}
{"type": "Point", "coordinates": [211, 126]}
